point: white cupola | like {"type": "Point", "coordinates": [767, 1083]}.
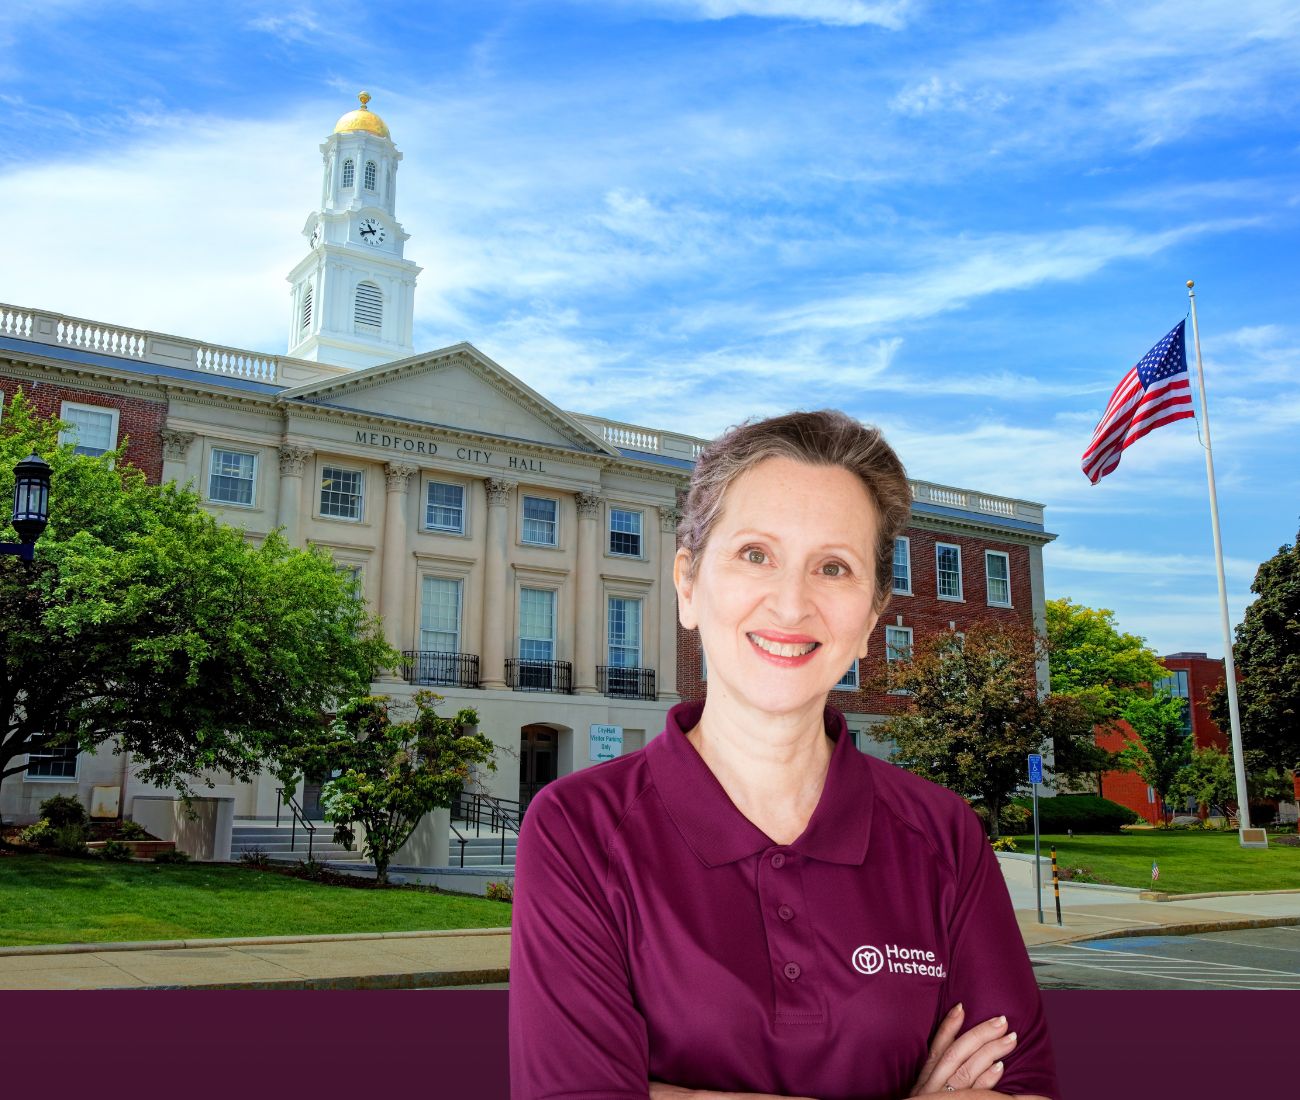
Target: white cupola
{"type": "Point", "coordinates": [353, 293]}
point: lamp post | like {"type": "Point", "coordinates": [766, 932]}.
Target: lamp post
{"type": "Point", "coordinates": [31, 506]}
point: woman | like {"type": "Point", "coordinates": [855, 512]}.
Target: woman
{"type": "Point", "coordinates": [749, 905]}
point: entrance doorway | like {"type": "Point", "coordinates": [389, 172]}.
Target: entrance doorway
{"type": "Point", "coordinates": [538, 748]}
{"type": "Point", "coordinates": [311, 786]}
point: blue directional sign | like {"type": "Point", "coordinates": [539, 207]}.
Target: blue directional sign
{"type": "Point", "coordinates": [1035, 768]}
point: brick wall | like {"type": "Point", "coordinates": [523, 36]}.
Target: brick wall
{"type": "Point", "coordinates": [923, 611]}
{"type": "Point", "coordinates": [139, 419]}
{"type": "Point", "coordinates": [1124, 787]}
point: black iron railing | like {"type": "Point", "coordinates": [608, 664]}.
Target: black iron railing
{"type": "Point", "coordinates": [483, 811]}
{"type": "Point", "coordinates": [626, 683]}
{"type": "Point", "coordinates": [427, 666]}
{"type": "Point", "coordinates": [299, 818]}
{"type": "Point", "coordinates": [523, 675]}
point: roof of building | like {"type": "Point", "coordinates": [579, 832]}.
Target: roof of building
{"type": "Point", "coordinates": [363, 118]}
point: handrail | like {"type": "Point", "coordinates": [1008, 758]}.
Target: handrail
{"type": "Point", "coordinates": [463, 841]}
{"type": "Point", "coordinates": [286, 796]}
{"type": "Point", "coordinates": [500, 817]}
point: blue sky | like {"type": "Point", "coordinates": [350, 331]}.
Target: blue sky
{"type": "Point", "coordinates": [963, 222]}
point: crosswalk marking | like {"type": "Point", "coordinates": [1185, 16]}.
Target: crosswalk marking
{"type": "Point", "coordinates": [1142, 964]}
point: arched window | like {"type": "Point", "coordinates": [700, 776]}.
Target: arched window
{"type": "Point", "coordinates": [368, 311]}
{"type": "Point", "coordinates": [370, 175]}
{"type": "Point", "coordinates": [349, 170]}
{"type": "Point", "coordinates": [306, 309]}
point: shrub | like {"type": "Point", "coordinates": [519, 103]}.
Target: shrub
{"type": "Point", "coordinates": [255, 857]}
{"type": "Point", "coordinates": [131, 830]}
{"type": "Point", "coordinates": [500, 891]}
{"type": "Point", "coordinates": [1262, 814]}
{"type": "Point", "coordinates": [1083, 813]}
{"type": "Point", "coordinates": [1005, 844]}
{"type": "Point", "coordinates": [41, 834]}
{"type": "Point", "coordinates": [70, 840]}
{"type": "Point", "coordinates": [174, 856]}
{"type": "Point", "coordinates": [115, 851]}
{"type": "Point", "coordinates": [62, 810]}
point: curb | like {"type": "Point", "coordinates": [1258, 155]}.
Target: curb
{"type": "Point", "coordinates": [1189, 929]}
{"type": "Point", "coordinates": [238, 941]}
{"type": "Point", "coordinates": [428, 979]}
{"type": "Point", "coordinates": [1160, 895]}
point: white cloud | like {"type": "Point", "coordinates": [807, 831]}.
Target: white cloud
{"type": "Point", "coordinates": [892, 14]}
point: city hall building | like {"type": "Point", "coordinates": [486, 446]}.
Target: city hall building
{"type": "Point", "coordinates": [518, 554]}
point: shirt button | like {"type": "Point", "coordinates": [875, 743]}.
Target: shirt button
{"type": "Point", "coordinates": [778, 860]}
{"type": "Point", "coordinates": [785, 913]}
{"type": "Point", "coordinates": [792, 971]}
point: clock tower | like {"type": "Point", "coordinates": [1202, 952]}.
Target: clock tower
{"type": "Point", "coordinates": [354, 293]}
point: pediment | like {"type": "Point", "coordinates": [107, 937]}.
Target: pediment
{"type": "Point", "coordinates": [457, 387]}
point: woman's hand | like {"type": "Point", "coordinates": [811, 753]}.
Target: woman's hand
{"type": "Point", "coordinates": [972, 1060]}
{"type": "Point", "coordinates": [661, 1091]}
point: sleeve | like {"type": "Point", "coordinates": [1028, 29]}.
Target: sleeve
{"type": "Point", "coordinates": [989, 969]}
{"type": "Point", "coordinates": [574, 1029]}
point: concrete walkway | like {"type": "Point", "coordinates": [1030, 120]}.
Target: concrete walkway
{"type": "Point", "coordinates": [421, 960]}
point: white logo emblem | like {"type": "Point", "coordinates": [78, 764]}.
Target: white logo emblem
{"type": "Point", "coordinates": [868, 959]}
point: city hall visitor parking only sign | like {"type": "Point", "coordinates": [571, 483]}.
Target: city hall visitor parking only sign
{"type": "Point", "coordinates": [606, 742]}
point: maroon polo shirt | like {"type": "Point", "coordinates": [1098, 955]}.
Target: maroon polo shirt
{"type": "Point", "coordinates": [658, 933]}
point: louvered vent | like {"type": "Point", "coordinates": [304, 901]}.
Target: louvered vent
{"type": "Point", "coordinates": [306, 308]}
{"type": "Point", "coordinates": [369, 312]}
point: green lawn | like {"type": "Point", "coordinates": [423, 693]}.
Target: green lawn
{"type": "Point", "coordinates": [47, 899]}
{"type": "Point", "coordinates": [1190, 862]}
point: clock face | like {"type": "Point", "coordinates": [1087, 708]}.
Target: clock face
{"type": "Point", "coordinates": [372, 231]}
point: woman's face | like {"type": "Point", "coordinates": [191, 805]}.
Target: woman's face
{"type": "Point", "coordinates": [783, 593]}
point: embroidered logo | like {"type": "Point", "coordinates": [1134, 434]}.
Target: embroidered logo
{"type": "Point", "coordinates": [868, 959]}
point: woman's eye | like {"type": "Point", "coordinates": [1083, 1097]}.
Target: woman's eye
{"type": "Point", "coordinates": [755, 556]}
{"type": "Point", "coordinates": [834, 569]}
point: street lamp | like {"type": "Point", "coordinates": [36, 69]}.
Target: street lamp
{"type": "Point", "coordinates": [31, 505]}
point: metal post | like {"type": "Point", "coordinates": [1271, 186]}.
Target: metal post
{"type": "Point", "coordinates": [1056, 888]}
{"type": "Point", "coordinates": [1038, 866]}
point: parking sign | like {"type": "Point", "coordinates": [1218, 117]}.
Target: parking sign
{"type": "Point", "coordinates": [1035, 768]}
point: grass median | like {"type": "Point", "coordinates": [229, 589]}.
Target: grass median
{"type": "Point", "coordinates": [50, 899]}
{"type": "Point", "coordinates": [1190, 861]}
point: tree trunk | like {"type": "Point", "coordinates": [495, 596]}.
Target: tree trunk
{"type": "Point", "coordinates": [381, 870]}
{"type": "Point", "coordinates": [994, 814]}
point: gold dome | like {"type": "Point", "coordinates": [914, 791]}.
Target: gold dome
{"type": "Point", "coordinates": [363, 118]}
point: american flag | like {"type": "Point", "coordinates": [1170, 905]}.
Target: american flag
{"type": "Point", "coordinates": [1155, 870]}
{"type": "Point", "coordinates": [1152, 394]}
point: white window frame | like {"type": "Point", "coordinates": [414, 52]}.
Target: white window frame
{"type": "Point", "coordinates": [459, 583]}
{"type": "Point", "coordinates": [70, 435]}
{"type": "Point", "coordinates": [464, 507]}
{"type": "Point", "coordinates": [348, 175]}
{"type": "Point", "coordinates": [76, 767]}
{"type": "Point", "coordinates": [849, 681]}
{"type": "Point", "coordinates": [523, 519]}
{"type": "Point", "coordinates": [938, 589]}
{"type": "Point", "coordinates": [555, 625]}
{"type": "Point", "coordinates": [907, 553]}
{"type": "Point", "coordinates": [610, 532]}
{"type": "Point", "coordinates": [370, 176]}
{"type": "Point", "coordinates": [891, 652]}
{"type": "Point", "coordinates": [989, 578]}
{"type": "Point", "coordinates": [640, 631]}
{"type": "Point", "coordinates": [212, 457]}
{"type": "Point", "coordinates": [361, 493]}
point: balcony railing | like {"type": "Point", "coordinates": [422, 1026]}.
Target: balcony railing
{"type": "Point", "coordinates": [524, 675]}
{"type": "Point", "coordinates": [426, 666]}
{"type": "Point", "coordinates": [626, 683]}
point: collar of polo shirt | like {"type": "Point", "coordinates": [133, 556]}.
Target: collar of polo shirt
{"type": "Point", "coordinates": [719, 833]}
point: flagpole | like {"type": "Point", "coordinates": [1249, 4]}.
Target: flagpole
{"type": "Point", "coordinates": [1229, 665]}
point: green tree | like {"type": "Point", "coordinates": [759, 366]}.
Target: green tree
{"type": "Point", "coordinates": [1267, 653]}
{"type": "Point", "coordinates": [1207, 779]}
{"type": "Point", "coordinates": [974, 712]}
{"type": "Point", "coordinates": [1163, 748]}
{"type": "Point", "coordinates": [147, 624]}
{"type": "Point", "coordinates": [387, 775]}
{"type": "Point", "coordinates": [1095, 663]}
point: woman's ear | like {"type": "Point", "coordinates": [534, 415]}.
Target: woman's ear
{"type": "Point", "coordinates": [866, 638]}
{"type": "Point", "coordinates": [685, 588]}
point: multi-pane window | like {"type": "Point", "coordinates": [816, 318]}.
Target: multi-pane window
{"type": "Point", "coordinates": [903, 566]}
{"type": "Point", "coordinates": [58, 762]}
{"type": "Point", "coordinates": [368, 309]}
{"type": "Point", "coordinates": [444, 508]}
{"type": "Point", "coordinates": [440, 615]}
{"type": "Point", "coordinates": [997, 568]}
{"type": "Point", "coordinates": [624, 632]}
{"type": "Point", "coordinates": [92, 431]}
{"type": "Point", "coordinates": [232, 477]}
{"type": "Point", "coordinates": [370, 175]}
{"type": "Point", "coordinates": [354, 577]}
{"type": "Point", "coordinates": [1175, 684]}
{"type": "Point", "coordinates": [541, 520]}
{"type": "Point", "coordinates": [849, 681]}
{"type": "Point", "coordinates": [625, 532]}
{"type": "Point", "coordinates": [947, 567]}
{"type": "Point", "coordinates": [537, 624]}
{"type": "Point", "coordinates": [898, 643]}
{"type": "Point", "coordinates": [340, 492]}
{"type": "Point", "coordinates": [349, 173]}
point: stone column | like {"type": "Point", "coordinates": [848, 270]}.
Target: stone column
{"type": "Point", "coordinates": [587, 609]}
{"type": "Point", "coordinates": [293, 460]}
{"type": "Point", "coordinates": [392, 584]}
{"type": "Point", "coordinates": [492, 671]}
{"type": "Point", "coordinates": [176, 451]}
{"type": "Point", "coordinates": [666, 673]}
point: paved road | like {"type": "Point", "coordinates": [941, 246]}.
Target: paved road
{"type": "Point", "coordinates": [1251, 958]}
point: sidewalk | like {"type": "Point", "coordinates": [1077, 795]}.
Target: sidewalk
{"type": "Point", "coordinates": [423, 960]}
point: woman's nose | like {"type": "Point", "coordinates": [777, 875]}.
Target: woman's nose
{"type": "Point", "coordinates": [790, 597]}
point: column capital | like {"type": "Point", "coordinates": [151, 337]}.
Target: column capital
{"type": "Point", "coordinates": [293, 457]}
{"type": "Point", "coordinates": [499, 489]}
{"type": "Point", "coordinates": [176, 444]}
{"type": "Point", "coordinates": [669, 517]}
{"type": "Point", "coordinates": [399, 475]}
{"type": "Point", "coordinates": [588, 504]}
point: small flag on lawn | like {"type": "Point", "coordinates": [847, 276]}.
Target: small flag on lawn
{"type": "Point", "coordinates": [1151, 395]}
{"type": "Point", "coordinates": [1155, 870]}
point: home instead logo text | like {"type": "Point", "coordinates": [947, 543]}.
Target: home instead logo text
{"type": "Point", "coordinates": [869, 959]}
